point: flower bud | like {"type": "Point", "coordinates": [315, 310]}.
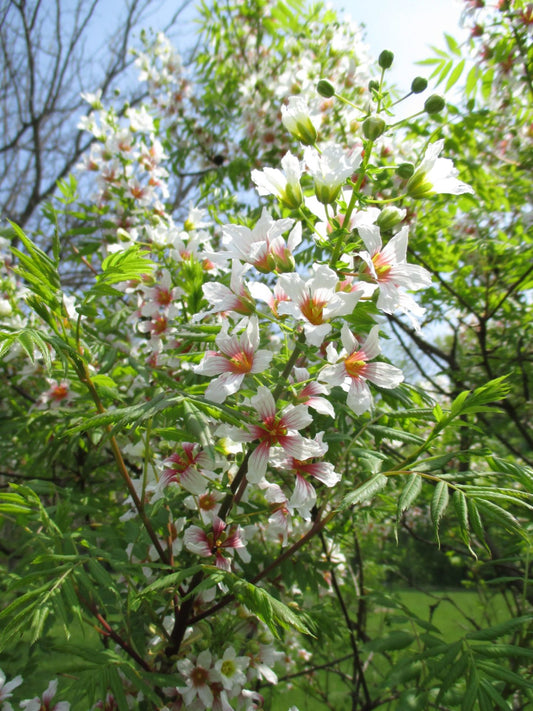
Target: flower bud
{"type": "Point", "coordinates": [418, 85]}
{"type": "Point", "coordinates": [434, 104]}
{"type": "Point", "coordinates": [325, 88]}
{"type": "Point", "coordinates": [297, 120]}
{"type": "Point", "coordinates": [389, 217]}
{"type": "Point", "coordinates": [385, 59]}
{"type": "Point", "coordinates": [419, 186]}
{"type": "Point", "coordinates": [373, 85]}
{"type": "Point", "coordinates": [405, 170]}
{"type": "Point", "coordinates": [373, 127]}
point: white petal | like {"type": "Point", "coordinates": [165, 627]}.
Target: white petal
{"type": "Point", "coordinates": [359, 398]}
{"type": "Point", "coordinates": [263, 402]}
{"type": "Point", "coordinates": [384, 375]}
{"type": "Point", "coordinates": [296, 418]}
{"type": "Point", "coordinates": [257, 463]}
{"type": "Point", "coordinates": [223, 386]}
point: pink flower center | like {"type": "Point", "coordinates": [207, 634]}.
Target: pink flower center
{"type": "Point", "coordinates": [199, 676]}
{"type": "Point", "coordinates": [381, 266]}
{"type": "Point", "coordinates": [164, 297]}
{"type": "Point", "coordinates": [242, 362]}
{"type": "Point", "coordinates": [159, 325]}
{"type": "Point", "coordinates": [273, 429]}
{"type": "Point", "coordinates": [355, 364]}
{"type": "Point", "coordinates": [206, 502]}
{"type": "Point", "coordinates": [313, 310]}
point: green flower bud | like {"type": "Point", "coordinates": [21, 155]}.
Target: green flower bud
{"type": "Point", "coordinates": [292, 196]}
{"type": "Point", "coordinates": [385, 59]}
{"type": "Point", "coordinates": [389, 217]}
{"type": "Point", "coordinates": [434, 104]}
{"type": "Point", "coordinates": [373, 85]}
{"type": "Point", "coordinates": [373, 127]}
{"type": "Point", "coordinates": [325, 88]}
{"type": "Point", "coordinates": [405, 170]}
{"type": "Point", "coordinates": [419, 186]}
{"type": "Point", "coordinates": [418, 85]}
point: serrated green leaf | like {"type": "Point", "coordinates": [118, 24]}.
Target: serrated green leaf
{"type": "Point", "coordinates": [274, 613]}
{"type": "Point", "coordinates": [453, 672]}
{"type": "Point", "coordinates": [502, 651]}
{"type": "Point", "coordinates": [365, 492]}
{"type": "Point", "coordinates": [461, 509]}
{"type": "Point", "coordinates": [439, 503]}
{"type": "Point", "coordinates": [126, 265]}
{"type": "Point", "coordinates": [500, 515]}
{"type": "Point", "coordinates": [499, 672]}
{"type": "Point", "coordinates": [409, 493]}
{"type": "Point", "coordinates": [503, 628]}
{"type": "Point", "coordinates": [172, 580]}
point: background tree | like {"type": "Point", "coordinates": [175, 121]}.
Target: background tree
{"type": "Point", "coordinates": [51, 54]}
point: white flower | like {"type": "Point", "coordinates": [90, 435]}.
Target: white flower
{"type": "Point", "coordinates": [263, 246]}
{"type": "Point", "coordinates": [387, 268]}
{"type": "Point", "coordinates": [299, 121]}
{"type": "Point", "coordinates": [316, 301]}
{"type": "Point", "coordinates": [231, 669]}
{"type": "Point", "coordinates": [36, 704]}
{"type": "Point", "coordinates": [329, 170]}
{"type": "Point", "coordinates": [275, 429]}
{"type": "Point", "coordinates": [198, 678]}
{"type": "Point", "coordinates": [353, 369]}
{"type": "Point", "coordinates": [7, 687]}
{"type": "Point", "coordinates": [436, 175]}
{"type": "Point", "coordinates": [284, 185]}
{"type": "Point", "coordinates": [237, 356]}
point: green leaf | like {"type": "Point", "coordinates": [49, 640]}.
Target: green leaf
{"type": "Point", "coordinates": [453, 46]}
{"type": "Point", "coordinates": [170, 581]}
{"type": "Point", "coordinates": [126, 265]}
{"type": "Point", "coordinates": [470, 695]}
{"type": "Point", "coordinates": [461, 509]}
{"type": "Point", "coordinates": [409, 493]}
{"type": "Point", "coordinates": [454, 76]}
{"type": "Point", "coordinates": [365, 492]}
{"type": "Point", "coordinates": [496, 697]}
{"type": "Point", "coordinates": [13, 503]}
{"type": "Point", "coordinates": [497, 631]}
{"type": "Point", "coordinates": [399, 639]}
{"type": "Point", "coordinates": [472, 80]}
{"type": "Point", "coordinates": [499, 672]}
{"type": "Point", "coordinates": [444, 71]}
{"type": "Point", "coordinates": [274, 613]}
{"type": "Point", "coordinates": [439, 504]}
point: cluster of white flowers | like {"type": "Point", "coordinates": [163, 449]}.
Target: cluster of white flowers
{"type": "Point", "coordinates": [276, 329]}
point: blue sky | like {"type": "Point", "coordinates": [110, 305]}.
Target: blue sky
{"type": "Point", "coordinates": [407, 28]}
